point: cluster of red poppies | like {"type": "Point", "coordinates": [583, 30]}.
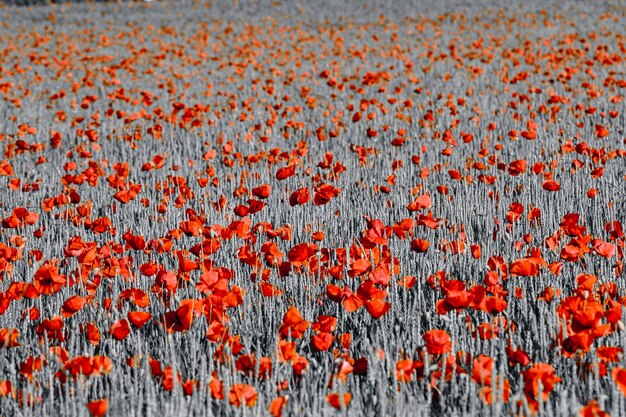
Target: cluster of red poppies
{"type": "Point", "coordinates": [312, 214]}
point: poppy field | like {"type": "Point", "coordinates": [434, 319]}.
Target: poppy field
{"type": "Point", "coordinates": [268, 208]}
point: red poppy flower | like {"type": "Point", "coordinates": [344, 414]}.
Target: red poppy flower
{"type": "Point", "coordinates": [438, 342]}
{"type": "Point", "coordinates": [47, 279]}
{"type": "Point", "coordinates": [98, 408]}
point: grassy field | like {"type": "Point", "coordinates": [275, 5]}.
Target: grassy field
{"type": "Point", "coordinates": [312, 208]}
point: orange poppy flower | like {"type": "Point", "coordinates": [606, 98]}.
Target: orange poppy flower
{"type": "Point", "coordinates": [242, 394]}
